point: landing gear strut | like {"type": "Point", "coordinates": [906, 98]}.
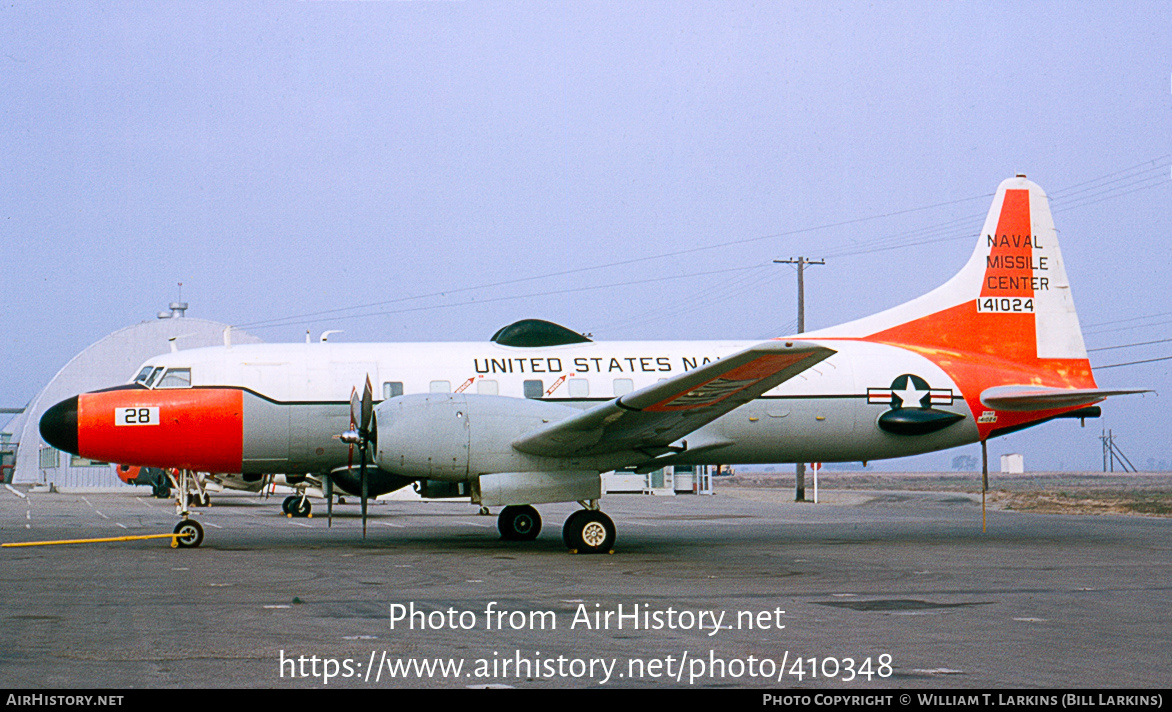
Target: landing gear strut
{"type": "Point", "coordinates": [519, 523]}
{"type": "Point", "coordinates": [189, 490]}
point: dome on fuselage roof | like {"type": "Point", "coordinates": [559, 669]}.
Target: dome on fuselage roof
{"type": "Point", "coordinates": [529, 333]}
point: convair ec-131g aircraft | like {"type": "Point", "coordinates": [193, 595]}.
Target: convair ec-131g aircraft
{"type": "Point", "coordinates": [535, 415]}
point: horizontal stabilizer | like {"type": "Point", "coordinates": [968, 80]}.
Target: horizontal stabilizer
{"type": "Point", "coordinates": [652, 418]}
{"type": "Point", "coordinates": [1028, 398]}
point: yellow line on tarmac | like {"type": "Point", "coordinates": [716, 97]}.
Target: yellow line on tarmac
{"type": "Point", "coordinates": [173, 537]}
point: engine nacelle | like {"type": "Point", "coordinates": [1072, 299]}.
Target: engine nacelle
{"type": "Point", "coordinates": [454, 436]}
{"type": "Point", "coordinates": [504, 488]}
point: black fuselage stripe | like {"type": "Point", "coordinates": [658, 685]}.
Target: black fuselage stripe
{"type": "Point", "coordinates": [835, 396]}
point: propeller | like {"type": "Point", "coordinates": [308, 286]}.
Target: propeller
{"type": "Point", "coordinates": [361, 417]}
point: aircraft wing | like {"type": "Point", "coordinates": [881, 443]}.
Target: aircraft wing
{"type": "Point", "coordinates": [1027, 398]}
{"type": "Point", "coordinates": [652, 418]}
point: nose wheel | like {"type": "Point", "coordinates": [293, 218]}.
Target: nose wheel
{"type": "Point", "coordinates": [190, 534]}
{"type": "Point", "coordinates": [589, 531]}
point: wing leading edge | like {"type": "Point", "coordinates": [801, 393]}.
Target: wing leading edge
{"type": "Point", "coordinates": [650, 419]}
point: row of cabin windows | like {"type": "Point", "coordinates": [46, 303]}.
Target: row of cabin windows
{"type": "Point", "coordinates": [155, 377]}
{"type": "Point", "coordinates": [535, 388]}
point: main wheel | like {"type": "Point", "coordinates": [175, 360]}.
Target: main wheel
{"type": "Point", "coordinates": [569, 527]}
{"type": "Point", "coordinates": [287, 504]}
{"type": "Point", "coordinates": [300, 507]}
{"type": "Point", "coordinates": [589, 532]}
{"type": "Point", "coordinates": [519, 523]}
{"type": "Point", "coordinates": [190, 534]}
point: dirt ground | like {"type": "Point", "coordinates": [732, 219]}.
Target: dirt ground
{"type": "Point", "coordinates": [1143, 493]}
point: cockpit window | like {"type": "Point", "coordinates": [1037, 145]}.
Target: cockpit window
{"type": "Point", "coordinates": [150, 378]}
{"type": "Point", "coordinates": [142, 375]}
{"type": "Point", "coordinates": [175, 378]}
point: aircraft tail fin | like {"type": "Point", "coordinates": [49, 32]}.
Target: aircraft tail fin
{"type": "Point", "coordinates": [1010, 301]}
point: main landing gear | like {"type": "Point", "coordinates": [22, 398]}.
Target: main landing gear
{"type": "Point", "coordinates": [589, 531]}
{"type": "Point", "coordinates": [586, 531]}
{"type": "Point", "coordinates": [519, 523]}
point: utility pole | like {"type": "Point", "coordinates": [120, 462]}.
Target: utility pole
{"type": "Point", "coordinates": [1111, 451]}
{"type": "Point", "coordinates": [801, 262]}
{"type": "Point", "coordinates": [984, 480]}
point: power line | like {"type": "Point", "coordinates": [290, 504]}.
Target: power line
{"type": "Point", "coordinates": [941, 232]}
{"type": "Point", "coordinates": [570, 290]}
{"type": "Point", "coordinates": [1070, 187]}
{"type": "Point", "coordinates": [1153, 163]}
{"type": "Point", "coordinates": [1128, 346]}
{"type": "Point", "coordinates": [1134, 318]}
{"type": "Point", "coordinates": [284, 321]}
{"type": "Point", "coordinates": [1109, 195]}
{"type": "Point", "coordinates": [1133, 363]}
{"type": "Point", "coordinates": [691, 301]}
{"type": "Point", "coordinates": [1126, 328]}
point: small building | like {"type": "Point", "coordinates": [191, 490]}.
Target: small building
{"type": "Point", "coordinates": [669, 480]}
{"type": "Point", "coordinates": [1012, 464]}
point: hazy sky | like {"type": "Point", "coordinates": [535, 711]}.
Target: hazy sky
{"type": "Point", "coordinates": [286, 159]}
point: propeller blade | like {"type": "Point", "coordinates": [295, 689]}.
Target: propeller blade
{"type": "Point", "coordinates": [367, 408]}
{"type": "Point", "coordinates": [355, 406]}
{"type": "Point", "coordinates": [362, 479]}
{"type": "Point", "coordinates": [327, 485]}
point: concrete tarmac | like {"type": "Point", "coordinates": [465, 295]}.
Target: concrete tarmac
{"type": "Point", "coordinates": [873, 589]}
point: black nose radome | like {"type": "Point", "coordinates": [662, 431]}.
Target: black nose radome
{"type": "Point", "coordinates": [59, 425]}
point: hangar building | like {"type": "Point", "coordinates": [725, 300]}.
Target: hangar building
{"type": "Point", "coordinates": [110, 361]}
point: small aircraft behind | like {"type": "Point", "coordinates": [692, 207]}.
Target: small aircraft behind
{"type": "Point", "coordinates": [535, 415]}
{"type": "Point", "coordinates": [196, 488]}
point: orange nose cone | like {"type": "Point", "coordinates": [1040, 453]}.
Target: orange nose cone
{"type": "Point", "coordinates": [190, 428]}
